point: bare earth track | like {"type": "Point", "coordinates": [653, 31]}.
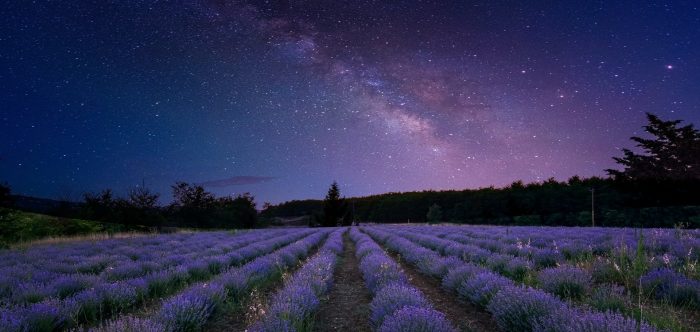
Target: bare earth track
{"type": "Point", "coordinates": [347, 307]}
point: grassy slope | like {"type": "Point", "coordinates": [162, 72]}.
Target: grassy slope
{"type": "Point", "coordinates": [18, 226]}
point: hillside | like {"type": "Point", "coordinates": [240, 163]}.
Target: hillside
{"type": "Point", "coordinates": [19, 226]}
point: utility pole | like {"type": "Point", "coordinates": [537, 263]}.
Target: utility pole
{"type": "Point", "coordinates": [593, 207]}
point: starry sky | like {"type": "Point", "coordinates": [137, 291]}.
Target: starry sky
{"type": "Point", "coordinates": [280, 98]}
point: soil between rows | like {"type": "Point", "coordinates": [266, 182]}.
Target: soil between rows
{"type": "Point", "coordinates": [347, 307]}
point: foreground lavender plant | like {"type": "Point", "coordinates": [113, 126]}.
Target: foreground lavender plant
{"type": "Point", "coordinates": [190, 310]}
{"type": "Point", "coordinates": [482, 287]}
{"type": "Point", "coordinates": [394, 297]}
{"type": "Point", "coordinates": [566, 281]}
{"type": "Point", "coordinates": [417, 319]}
{"type": "Point", "coordinates": [131, 324]}
{"type": "Point", "coordinates": [518, 309]}
{"type": "Point", "coordinates": [571, 320]}
{"type": "Point", "coordinates": [293, 306]}
{"type": "Point", "coordinates": [393, 294]}
{"type": "Point", "coordinates": [671, 286]}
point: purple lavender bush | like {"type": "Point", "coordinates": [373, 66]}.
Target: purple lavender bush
{"type": "Point", "coordinates": [565, 281]}
{"type": "Point", "coordinates": [572, 320]}
{"type": "Point", "coordinates": [190, 310]}
{"type": "Point", "coordinates": [43, 316]}
{"type": "Point", "coordinates": [667, 285]}
{"type": "Point", "coordinates": [518, 309]}
{"type": "Point", "coordinates": [416, 319]}
{"type": "Point", "coordinates": [130, 324]}
{"type": "Point", "coordinates": [482, 287]}
{"type": "Point", "coordinates": [394, 297]}
{"type": "Point", "coordinates": [460, 273]}
{"type": "Point", "coordinates": [546, 258]}
{"type": "Point", "coordinates": [379, 270]}
{"type": "Point", "coordinates": [609, 297]}
{"type": "Point", "coordinates": [517, 268]}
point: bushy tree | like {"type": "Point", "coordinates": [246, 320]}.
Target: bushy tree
{"type": "Point", "coordinates": [192, 196]}
{"type": "Point", "coordinates": [672, 153]}
{"type": "Point", "coordinates": [238, 211]}
{"type": "Point", "coordinates": [141, 207]}
{"type": "Point", "coordinates": [434, 214]}
{"type": "Point", "coordinates": [333, 206]}
{"type": "Point", "coordinates": [99, 206]}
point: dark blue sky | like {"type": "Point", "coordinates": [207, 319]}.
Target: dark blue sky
{"type": "Point", "coordinates": [280, 98]}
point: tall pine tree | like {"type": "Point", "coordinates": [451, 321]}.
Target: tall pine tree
{"type": "Point", "coordinates": [672, 153]}
{"type": "Point", "coordinates": [333, 206]}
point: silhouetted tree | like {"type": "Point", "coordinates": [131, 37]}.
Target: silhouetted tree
{"type": "Point", "coordinates": [673, 153]}
{"type": "Point", "coordinates": [434, 214]}
{"type": "Point", "coordinates": [333, 206]}
{"type": "Point", "coordinates": [5, 195]}
{"type": "Point", "coordinates": [236, 212]}
{"type": "Point", "coordinates": [192, 196]}
{"type": "Point", "coordinates": [99, 206]}
{"type": "Point", "coordinates": [141, 207]}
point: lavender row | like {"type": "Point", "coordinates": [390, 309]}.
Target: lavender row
{"type": "Point", "coordinates": [660, 282]}
{"type": "Point", "coordinates": [31, 282]}
{"type": "Point", "coordinates": [514, 307]}
{"type": "Point", "coordinates": [675, 249]}
{"type": "Point", "coordinates": [292, 308]}
{"type": "Point", "coordinates": [110, 298]}
{"type": "Point", "coordinates": [396, 305]}
{"type": "Point", "coordinates": [191, 309]}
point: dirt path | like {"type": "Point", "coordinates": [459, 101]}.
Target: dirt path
{"type": "Point", "coordinates": [347, 307]}
{"type": "Point", "coordinates": [466, 316]}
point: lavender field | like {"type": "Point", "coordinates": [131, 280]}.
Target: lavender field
{"type": "Point", "coordinates": [394, 278]}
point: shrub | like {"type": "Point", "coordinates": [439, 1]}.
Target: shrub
{"type": "Point", "coordinates": [571, 320]}
{"type": "Point", "coordinates": [416, 319]}
{"type": "Point", "coordinates": [668, 285]}
{"type": "Point", "coordinates": [379, 270]}
{"type": "Point", "coordinates": [609, 297]}
{"type": "Point", "coordinates": [604, 271]}
{"type": "Point", "coordinates": [394, 297]}
{"type": "Point", "coordinates": [518, 309]}
{"type": "Point", "coordinates": [455, 276]}
{"type": "Point", "coordinates": [517, 268]}
{"type": "Point", "coordinates": [566, 281]}
{"type": "Point", "coordinates": [295, 304]}
{"type": "Point", "coordinates": [482, 287]}
{"type": "Point", "coordinates": [190, 310]}
{"type": "Point", "coordinates": [130, 324]}
{"type": "Point", "coordinates": [546, 258]}
{"type": "Point", "coordinates": [42, 316]}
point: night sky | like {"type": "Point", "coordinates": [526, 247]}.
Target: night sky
{"type": "Point", "coordinates": [280, 98]}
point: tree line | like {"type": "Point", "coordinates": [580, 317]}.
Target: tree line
{"type": "Point", "coordinates": [659, 186]}
{"type": "Point", "coordinates": [192, 206]}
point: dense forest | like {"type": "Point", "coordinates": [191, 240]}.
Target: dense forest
{"type": "Point", "coordinates": [615, 203]}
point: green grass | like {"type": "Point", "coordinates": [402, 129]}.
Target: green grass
{"type": "Point", "coordinates": [19, 227]}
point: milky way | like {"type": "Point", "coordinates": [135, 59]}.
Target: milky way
{"type": "Point", "coordinates": [281, 98]}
